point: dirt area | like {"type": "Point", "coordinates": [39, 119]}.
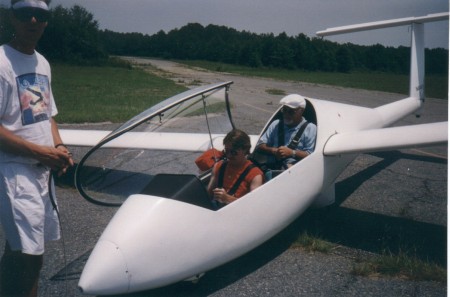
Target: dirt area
{"type": "Point", "coordinates": [254, 103]}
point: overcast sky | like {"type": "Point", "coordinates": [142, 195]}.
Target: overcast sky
{"type": "Point", "coordinates": [265, 16]}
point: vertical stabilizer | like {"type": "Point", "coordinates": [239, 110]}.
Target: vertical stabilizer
{"type": "Point", "coordinates": [416, 86]}
{"type": "Point", "coordinates": [417, 70]}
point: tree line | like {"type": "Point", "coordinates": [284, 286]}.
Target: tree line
{"type": "Point", "coordinates": [73, 36]}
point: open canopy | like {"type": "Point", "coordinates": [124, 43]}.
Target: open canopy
{"type": "Point", "coordinates": [165, 139]}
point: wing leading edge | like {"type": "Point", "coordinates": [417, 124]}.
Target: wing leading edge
{"type": "Point", "coordinates": [194, 142]}
{"type": "Point", "coordinates": [387, 139]}
{"type": "Point", "coordinates": [384, 24]}
{"type": "Point", "coordinates": [82, 137]}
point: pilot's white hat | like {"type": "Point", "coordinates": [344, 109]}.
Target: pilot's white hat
{"type": "Point", "coordinates": [293, 101]}
{"type": "Point", "coordinates": [30, 4]}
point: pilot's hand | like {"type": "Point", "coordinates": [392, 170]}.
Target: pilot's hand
{"type": "Point", "coordinates": [283, 152]}
{"type": "Point", "coordinates": [221, 196]}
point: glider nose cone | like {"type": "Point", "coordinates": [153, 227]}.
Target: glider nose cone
{"type": "Point", "coordinates": [106, 271]}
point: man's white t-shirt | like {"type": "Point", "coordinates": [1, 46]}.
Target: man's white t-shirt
{"type": "Point", "coordinates": [26, 99]}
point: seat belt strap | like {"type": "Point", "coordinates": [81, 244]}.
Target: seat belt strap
{"type": "Point", "coordinates": [221, 174]}
{"type": "Point", "coordinates": [294, 142]}
{"type": "Point", "coordinates": [280, 133]}
{"type": "Point", "coordinates": [235, 186]}
{"type": "Point", "coordinates": [240, 179]}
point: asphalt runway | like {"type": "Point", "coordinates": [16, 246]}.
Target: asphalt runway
{"type": "Point", "coordinates": [392, 201]}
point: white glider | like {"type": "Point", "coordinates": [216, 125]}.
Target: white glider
{"type": "Point", "coordinates": [164, 232]}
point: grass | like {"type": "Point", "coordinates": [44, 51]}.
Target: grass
{"type": "Point", "coordinates": [313, 244]}
{"type": "Point", "coordinates": [99, 94]}
{"type": "Point", "coordinates": [115, 94]}
{"type": "Point", "coordinates": [277, 92]}
{"type": "Point", "coordinates": [435, 86]}
{"type": "Point", "coordinates": [401, 266]}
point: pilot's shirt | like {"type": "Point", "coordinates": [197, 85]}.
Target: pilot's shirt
{"type": "Point", "coordinates": [307, 141]}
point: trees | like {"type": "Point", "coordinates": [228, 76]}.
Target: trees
{"type": "Point", "coordinates": [73, 36]}
{"type": "Point", "coordinates": [344, 62]}
{"type": "Point", "coordinates": [5, 26]}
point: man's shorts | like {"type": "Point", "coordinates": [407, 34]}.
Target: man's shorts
{"type": "Point", "coordinates": [26, 211]}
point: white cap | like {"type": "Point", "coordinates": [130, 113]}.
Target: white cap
{"type": "Point", "coordinates": [30, 4]}
{"type": "Point", "coordinates": [293, 101]}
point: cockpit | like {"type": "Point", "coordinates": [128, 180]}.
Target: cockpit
{"type": "Point", "coordinates": [154, 153]}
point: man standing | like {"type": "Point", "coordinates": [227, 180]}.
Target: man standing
{"type": "Point", "coordinates": [30, 147]}
{"type": "Point", "coordinates": [291, 140]}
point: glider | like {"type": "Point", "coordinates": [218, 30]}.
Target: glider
{"type": "Point", "coordinates": [164, 230]}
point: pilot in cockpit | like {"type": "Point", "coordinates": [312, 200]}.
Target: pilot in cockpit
{"type": "Point", "coordinates": [235, 176]}
{"type": "Point", "coordinates": [291, 141]}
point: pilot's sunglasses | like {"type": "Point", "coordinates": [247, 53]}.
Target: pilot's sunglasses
{"type": "Point", "coordinates": [288, 110]}
{"type": "Point", "coordinates": [25, 15]}
{"type": "Point", "coordinates": [230, 152]}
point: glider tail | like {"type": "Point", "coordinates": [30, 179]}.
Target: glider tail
{"type": "Point", "coordinates": [417, 70]}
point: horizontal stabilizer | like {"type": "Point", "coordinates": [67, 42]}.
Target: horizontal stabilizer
{"type": "Point", "coordinates": [387, 139]}
{"type": "Point", "coordinates": [384, 24]}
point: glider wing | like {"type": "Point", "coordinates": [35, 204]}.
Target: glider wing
{"type": "Point", "coordinates": [387, 139]}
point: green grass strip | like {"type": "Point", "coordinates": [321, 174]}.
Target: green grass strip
{"type": "Point", "coordinates": [100, 94]}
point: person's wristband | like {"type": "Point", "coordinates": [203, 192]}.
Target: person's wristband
{"type": "Point", "coordinates": [60, 144]}
{"type": "Point", "coordinates": [294, 154]}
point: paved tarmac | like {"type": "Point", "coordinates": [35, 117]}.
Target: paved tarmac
{"type": "Point", "coordinates": [391, 201]}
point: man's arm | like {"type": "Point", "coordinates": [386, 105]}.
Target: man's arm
{"type": "Point", "coordinates": [266, 141]}
{"type": "Point", "coordinates": [55, 133]}
{"type": "Point", "coordinates": [268, 150]}
{"type": "Point", "coordinates": [283, 152]}
{"type": "Point", "coordinates": [49, 156]}
{"type": "Point", "coordinates": [57, 140]}
{"type": "Point", "coordinates": [295, 154]}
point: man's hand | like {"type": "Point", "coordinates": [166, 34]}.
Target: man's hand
{"type": "Point", "coordinates": [283, 152]}
{"type": "Point", "coordinates": [58, 159]}
{"type": "Point", "coordinates": [69, 161]}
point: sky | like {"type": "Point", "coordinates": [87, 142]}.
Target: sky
{"type": "Point", "coordinates": [269, 16]}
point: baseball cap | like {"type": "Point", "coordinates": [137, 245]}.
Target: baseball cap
{"type": "Point", "coordinates": [293, 101]}
{"type": "Point", "coordinates": [30, 4]}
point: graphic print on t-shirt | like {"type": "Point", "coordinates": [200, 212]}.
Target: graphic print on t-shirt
{"type": "Point", "coordinates": [34, 97]}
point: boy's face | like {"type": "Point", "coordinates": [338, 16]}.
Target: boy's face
{"type": "Point", "coordinates": [29, 23]}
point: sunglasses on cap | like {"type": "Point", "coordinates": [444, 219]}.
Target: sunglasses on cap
{"type": "Point", "coordinates": [27, 14]}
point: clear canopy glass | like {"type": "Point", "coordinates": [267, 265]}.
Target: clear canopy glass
{"type": "Point", "coordinates": [165, 139]}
